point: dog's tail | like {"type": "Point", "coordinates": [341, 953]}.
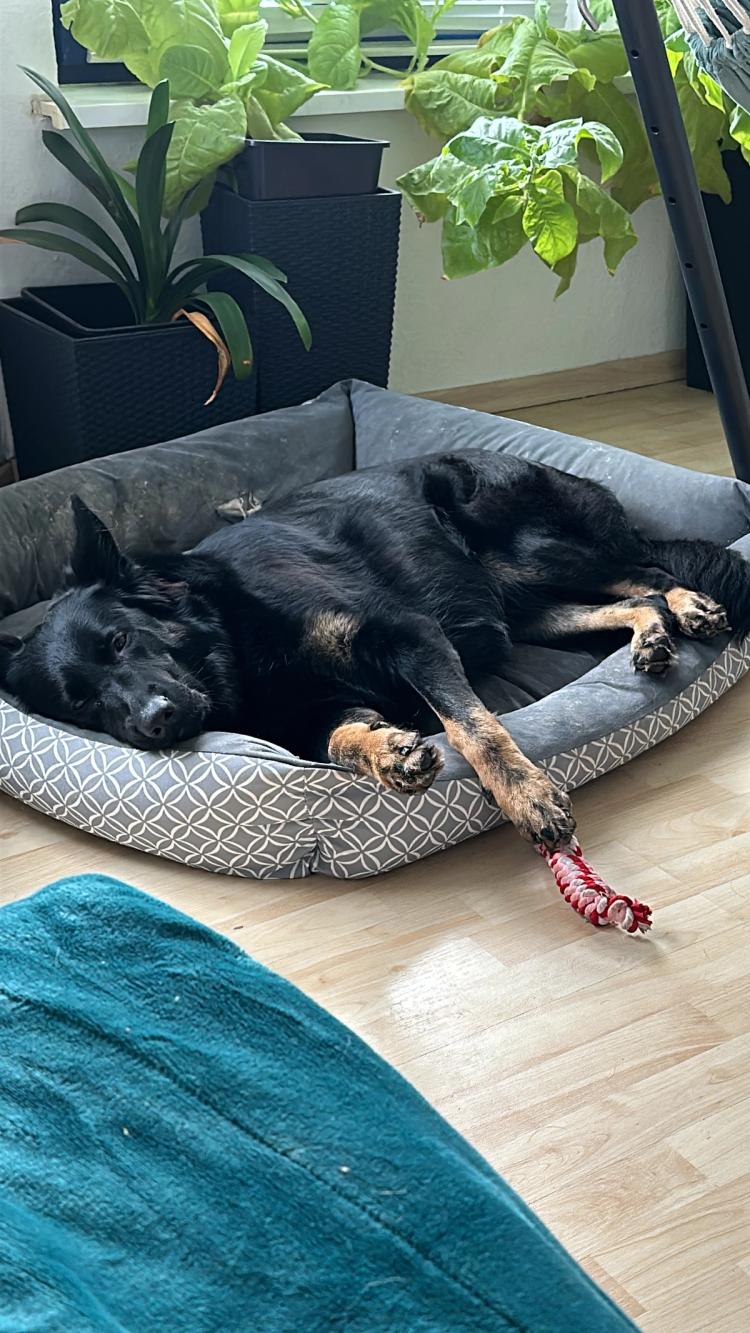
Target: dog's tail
{"type": "Point", "coordinates": [712, 569]}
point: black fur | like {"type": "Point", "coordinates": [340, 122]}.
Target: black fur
{"type": "Point", "coordinates": [423, 574]}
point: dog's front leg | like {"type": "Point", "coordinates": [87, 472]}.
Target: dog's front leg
{"type": "Point", "coordinates": [417, 650]}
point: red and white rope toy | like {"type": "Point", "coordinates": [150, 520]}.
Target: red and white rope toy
{"type": "Point", "coordinates": [588, 894]}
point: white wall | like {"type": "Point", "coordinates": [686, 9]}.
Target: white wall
{"type": "Point", "coordinates": [504, 324]}
{"type": "Point", "coordinates": [491, 326]}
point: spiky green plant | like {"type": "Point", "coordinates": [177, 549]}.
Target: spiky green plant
{"type": "Point", "coordinates": [139, 261]}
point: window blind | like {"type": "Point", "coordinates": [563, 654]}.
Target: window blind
{"type": "Point", "coordinates": [459, 27]}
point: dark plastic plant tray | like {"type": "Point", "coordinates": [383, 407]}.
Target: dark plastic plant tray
{"type": "Point", "coordinates": [316, 166]}
{"type": "Point", "coordinates": [86, 309]}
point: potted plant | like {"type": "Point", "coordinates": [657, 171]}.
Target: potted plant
{"type": "Point", "coordinates": [526, 114]}
{"type": "Point", "coordinates": [312, 199]}
{"type": "Point", "coordinates": [127, 362]}
{"type": "Point", "coordinates": [232, 99]}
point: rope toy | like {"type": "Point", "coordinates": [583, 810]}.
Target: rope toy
{"type": "Point", "coordinates": [588, 894]}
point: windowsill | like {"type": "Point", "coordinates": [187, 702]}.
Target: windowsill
{"type": "Point", "coordinates": [105, 105]}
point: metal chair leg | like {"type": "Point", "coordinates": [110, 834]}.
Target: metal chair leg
{"type": "Point", "coordinates": [656, 94]}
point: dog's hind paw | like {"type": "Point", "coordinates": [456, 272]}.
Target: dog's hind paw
{"type": "Point", "coordinates": [697, 616]}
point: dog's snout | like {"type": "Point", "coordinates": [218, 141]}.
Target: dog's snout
{"type": "Point", "coordinates": [153, 717]}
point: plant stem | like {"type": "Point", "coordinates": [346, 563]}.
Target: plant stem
{"type": "Point", "coordinates": [382, 69]}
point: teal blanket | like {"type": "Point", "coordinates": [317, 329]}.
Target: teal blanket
{"type": "Point", "coordinates": [188, 1144]}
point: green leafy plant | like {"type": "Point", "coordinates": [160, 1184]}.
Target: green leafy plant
{"type": "Point", "coordinates": [547, 79]}
{"type": "Point", "coordinates": [502, 184]}
{"type": "Point", "coordinates": [139, 260]}
{"type": "Point", "coordinates": [211, 53]}
{"type": "Point", "coordinates": [335, 55]}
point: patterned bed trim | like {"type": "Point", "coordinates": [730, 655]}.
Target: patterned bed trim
{"type": "Point", "coordinates": [252, 817]}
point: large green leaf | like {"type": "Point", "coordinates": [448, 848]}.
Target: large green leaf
{"type": "Point", "coordinates": [599, 214]}
{"type": "Point", "coordinates": [206, 264]}
{"type": "Point", "coordinates": [548, 219]}
{"type": "Point", "coordinates": [193, 71]}
{"type": "Point", "coordinates": [739, 128]}
{"type": "Point", "coordinates": [479, 61]}
{"type": "Point", "coordinates": [375, 14]}
{"type": "Point", "coordinates": [333, 53]}
{"type": "Point", "coordinates": [234, 14]}
{"type": "Point", "coordinates": [602, 53]}
{"type": "Point", "coordinates": [499, 40]}
{"type": "Point", "coordinates": [636, 180]}
{"type": "Point", "coordinates": [445, 102]}
{"type": "Point", "coordinates": [533, 62]}
{"type": "Point", "coordinates": [282, 90]}
{"type": "Point", "coordinates": [204, 137]}
{"type": "Point", "coordinates": [499, 236]}
{"type": "Point", "coordinates": [427, 187]}
{"type": "Point", "coordinates": [245, 47]}
{"type": "Point", "coordinates": [565, 270]}
{"type": "Point", "coordinates": [88, 165]}
{"type": "Point", "coordinates": [150, 177]}
{"type": "Point", "coordinates": [195, 273]}
{"type": "Point", "coordinates": [62, 215]}
{"type": "Point", "coordinates": [473, 195]}
{"type": "Point", "coordinates": [704, 125]}
{"type": "Point", "coordinates": [563, 140]}
{"type": "Point", "coordinates": [496, 139]}
{"type": "Point", "coordinates": [158, 107]}
{"type": "Point", "coordinates": [110, 29]}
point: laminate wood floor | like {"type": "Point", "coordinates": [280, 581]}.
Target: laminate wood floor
{"type": "Point", "coordinates": [608, 1079]}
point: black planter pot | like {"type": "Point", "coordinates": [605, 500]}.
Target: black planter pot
{"type": "Point", "coordinates": [81, 384]}
{"type": "Point", "coordinates": [728, 224]}
{"type": "Point", "coordinates": [340, 255]}
{"type": "Point", "coordinates": [316, 165]}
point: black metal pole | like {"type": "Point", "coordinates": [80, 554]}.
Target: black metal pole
{"type": "Point", "coordinates": [656, 94]}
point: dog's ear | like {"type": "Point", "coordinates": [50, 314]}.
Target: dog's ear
{"type": "Point", "coordinates": [96, 558]}
{"type": "Point", "coordinates": [10, 647]}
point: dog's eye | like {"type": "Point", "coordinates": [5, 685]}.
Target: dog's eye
{"type": "Point", "coordinates": [119, 641]}
{"type": "Point", "coordinates": [79, 704]}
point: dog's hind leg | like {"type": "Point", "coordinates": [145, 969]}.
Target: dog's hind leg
{"type": "Point", "coordinates": [362, 741]}
{"type": "Point", "coordinates": [648, 617]}
{"type": "Point", "coordinates": [696, 614]}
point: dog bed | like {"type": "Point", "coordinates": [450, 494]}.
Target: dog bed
{"type": "Point", "coordinates": [242, 806]}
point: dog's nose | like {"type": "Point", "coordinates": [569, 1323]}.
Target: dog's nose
{"type": "Point", "coordinates": [153, 717]}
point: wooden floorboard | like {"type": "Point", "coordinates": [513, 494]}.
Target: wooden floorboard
{"type": "Point", "coordinates": [608, 1079]}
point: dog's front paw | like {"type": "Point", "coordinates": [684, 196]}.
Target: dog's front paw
{"type": "Point", "coordinates": [402, 761]}
{"type": "Point", "coordinates": [697, 616]}
{"type": "Point", "coordinates": [540, 811]}
{"type": "Point", "coordinates": [652, 651]}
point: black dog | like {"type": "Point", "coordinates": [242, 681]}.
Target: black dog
{"type": "Point", "coordinates": [341, 621]}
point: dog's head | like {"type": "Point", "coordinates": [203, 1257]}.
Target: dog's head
{"type": "Point", "coordinates": [118, 652]}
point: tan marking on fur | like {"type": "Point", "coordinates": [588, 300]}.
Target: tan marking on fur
{"type": "Point", "coordinates": [524, 794]}
{"type": "Point", "coordinates": [642, 620]}
{"type": "Point", "coordinates": [354, 745]}
{"type": "Point", "coordinates": [507, 572]}
{"type": "Point", "coordinates": [330, 634]}
{"type": "Point", "coordinates": [629, 588]}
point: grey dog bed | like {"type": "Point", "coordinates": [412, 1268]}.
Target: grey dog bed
{"type": "Point", "coordinates": [242, 806]}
